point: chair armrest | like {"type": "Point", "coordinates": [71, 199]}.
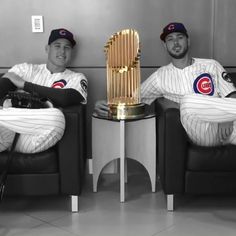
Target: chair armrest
{"type": "Point", "coordinates": [72, 150]}
{"type": "Point", "coordinates": [172, 146]}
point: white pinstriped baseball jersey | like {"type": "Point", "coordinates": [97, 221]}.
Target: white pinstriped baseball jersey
{"type": "Point", "coordinates": [200, 89]}
{"type": "Point", "coordinates": [39, 129]}
{"type": "Point", "coordinates": [204, 76]}
{"type": "Point", "coordinates": [40, 75]}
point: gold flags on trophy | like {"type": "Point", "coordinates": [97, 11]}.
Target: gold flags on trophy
{"type": "Point", "coordinates": [123, 74]}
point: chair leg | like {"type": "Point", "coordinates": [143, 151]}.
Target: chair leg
{"type": "Point", "coordinates": [170, 202]}
{"type": "Point", "coordinates": [74, 203]}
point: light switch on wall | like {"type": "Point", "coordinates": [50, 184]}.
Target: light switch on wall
{"type": "Point", "coordinates": [37, 24]}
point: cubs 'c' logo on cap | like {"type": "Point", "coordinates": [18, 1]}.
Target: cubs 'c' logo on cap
{"type": "Point", "coordinates": [203, 84]}
{"type": "Point", "coordinates": [171, 27]}
{"type": "Point", "coordinates": [62, 32]}
{"type": "Point", "coordinates": [59, 84]}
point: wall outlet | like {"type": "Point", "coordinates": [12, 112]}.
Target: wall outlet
{"type": "Point", "coordinates": [37, 24]}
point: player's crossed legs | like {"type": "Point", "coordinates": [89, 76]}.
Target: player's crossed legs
{"type": "Point", "coordinates": [202, 115]}
{"type": "Point", "coordinates": [39, 129]}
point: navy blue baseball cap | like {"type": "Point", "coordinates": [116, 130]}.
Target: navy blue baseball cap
{"type": "Point", "coordinates": [173, 27]}
{"type": "Point", "coordinates": [61, 33]}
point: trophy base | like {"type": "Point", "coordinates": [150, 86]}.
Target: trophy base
{"type": "Point", "coordinates": [126, 112]}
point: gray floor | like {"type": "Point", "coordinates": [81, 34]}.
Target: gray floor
{"type": "Point", "coordinates": [143, 214]}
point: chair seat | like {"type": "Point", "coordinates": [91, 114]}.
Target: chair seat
{"type": "Point", "coordinates": [43, 162]}
{"type": "Point", "coordinates": [220, 158]}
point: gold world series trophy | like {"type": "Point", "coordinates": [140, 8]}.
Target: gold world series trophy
{"type": "Point", "coordinates": [123, 75]}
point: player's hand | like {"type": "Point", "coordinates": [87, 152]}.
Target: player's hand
{"type": "Point", "coordinates": [225, 130]}
{"type": "Point", "coordinates": [15, 79]}
{"type": "Point", "coordinates": [101, 108]}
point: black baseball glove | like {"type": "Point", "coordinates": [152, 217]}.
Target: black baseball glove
{"type": "Point", "coordinates": [27, 100]}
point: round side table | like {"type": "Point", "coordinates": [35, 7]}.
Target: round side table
{"type": "Point", "coordinates": [121, 139]}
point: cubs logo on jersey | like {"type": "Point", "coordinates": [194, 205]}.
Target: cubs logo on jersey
{"type": "Point", "coordinates": [226, 77]}
{"type": "Point", "coordinates": [203, 84]}
{"type": "Point", "coordinates": [59, 84]}
{"type": "Point", "coordinates": [84, 85]}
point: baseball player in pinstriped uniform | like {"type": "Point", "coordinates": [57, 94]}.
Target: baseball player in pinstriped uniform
{"type": "Point", "coordinates": [201, 87]}
{"type": "Point", "coordinates": [42, 128]}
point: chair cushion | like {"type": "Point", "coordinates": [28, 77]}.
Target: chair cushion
{"type": "Point", "coordinates": [43, 162]}
{"type": "Point", "coordinates": [220, 158]}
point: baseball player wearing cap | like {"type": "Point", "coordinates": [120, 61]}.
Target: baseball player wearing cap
{"type": "Point", "coordinates": [201, 86]}
{"type": "Point", "coordinates": [42, 128]}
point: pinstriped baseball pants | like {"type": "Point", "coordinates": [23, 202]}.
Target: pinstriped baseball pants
{"type": "Point", "coordinates": [201, 116]}
{"type": "Point", "coordinates": [39, 129]}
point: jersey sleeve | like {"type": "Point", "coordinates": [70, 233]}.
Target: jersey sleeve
{"type": "Point", "coordinates": [150, 89]}
{"type": "Point", "coordinates": [225, 85]}
{"type": "Point", "coordinates": [79, 82]}
{"type": "Point", "coordinates": [23, 70]}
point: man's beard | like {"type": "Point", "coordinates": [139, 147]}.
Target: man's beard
{"type": "Point", "coordinates": [179, 56]}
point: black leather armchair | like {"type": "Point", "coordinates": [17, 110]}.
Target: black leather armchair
{"type": "Point", "coordinates": [186, 168]}
{"type": "Point", "coordinates": [59, 170]}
